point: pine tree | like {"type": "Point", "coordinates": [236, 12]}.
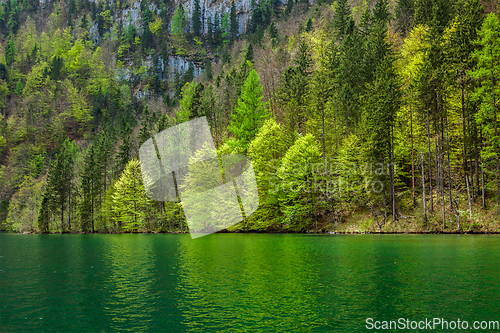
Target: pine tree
{"type": "Point", "coordinates": [249, 53]}
{"type": "Point", "coordinates": [43, 215]}
{"type": "Point", "coordinates": [196, 109]}
{"type": "Point", "coordinates": [178, 21]}
{"type": "Point", "coordinates": [210, 33]}
{"type": "Point", "coordinates": [126, 149]}
{"type": "Point", "coordinates": [251, 111]}
{"type": "Point", "coordinates": [216, 30]}
{"type": "Point", "coordinates": [380, 104]}
{"type": "Point", "coordinates": [256, 17]}
{"type": "Point", "coordinates": [460, 44]}
{"type": "Point", "coordinates": [434, 13]}
{"type": "Point", "coordinates": [130, 203]}
{"type": "Point", "coordinates": [294, 89]}
{"type": "Point", "coordinates": [381, 11]}
{"type": "Point", "coordinates": [288, 8]}
{"type": "Point", "coordinates": [488, 72]}
{"type": "Point", "coordinates": [273, 31]}
{"type": "Point", "coordinates": [58, 191]}
{"type": "Point", "coordinates": [19, 87]}
{"type": "Point", "coordinates": [196, 19]}
{"type": "Point", "coordinates": [89, 179]}
{"type": "Point", "coordinates": [342, 19]}
{"type": "Point", "coordinates": [10, 50]}
{"type": "Point", "coordinates": [226, 28]}
{"type": "Point", "coordinates": [209, 72]}
{"type": "Point", "coordinates": [234, 21]}
{"type": "Point", "coordinates": [405, 13]}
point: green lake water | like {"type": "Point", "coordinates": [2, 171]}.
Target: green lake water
{"type": "Point", "coordinates": [243, 282]}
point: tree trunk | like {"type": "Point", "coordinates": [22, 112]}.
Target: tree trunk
{"type": "Point", "coordinates": [468, 197]}
{"type": "Point", "coordinates": [464, 128]}
{"type": "Point", "coordinates": [430, 159]}
{"type": "Point", "coordinates": [393, 193]}
{"type": "Point", "coordinates": [340, 205]}
{"type": "Point", "coordinates": [497, 146]}
{"type": "Point", "coordinates": [482, 186]}
{"type": "Point", "coordinates": [423, 188]}
{"type": "Point", "coordinates": [448, 153]}
{"type": "Point", "coordinates": [62, 216]}
{"type": "Point", "coordinates": [69, 208]}
{"type": "Point", "coordinates": [412, 159]}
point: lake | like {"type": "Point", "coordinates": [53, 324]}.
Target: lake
{"type": "Point", "coordinates": [243, 282]}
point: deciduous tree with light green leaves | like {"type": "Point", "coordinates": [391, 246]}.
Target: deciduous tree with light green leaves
{"type": "Point", "coordinates": [297, 183]}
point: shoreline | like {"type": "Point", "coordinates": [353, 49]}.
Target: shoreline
{"type": "Point", "coordinates": [270, 233]}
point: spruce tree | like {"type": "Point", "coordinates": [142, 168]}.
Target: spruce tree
{"type": "Point", "coordinates": [342, 19]}
{"type": "Point", "coordinates": [210, 32]}
{"type": "Point", "coordinates": [126, 149]}
{"type": "Point", "coordinates": [380, 104]}
{"type": "Point", "coordinates": [60, 177]}
{"type": "Point", "coordinates": [10, 50]}
{"type": "Point", "coordinates": [196, 19]}
{"type": "Point", "coordinates": [19, 87]}
{"type": "Point", "coordinates": [249, 53]}
{"type": "Point", "coordinates": [405, 13]}
{"type": "Point", "coordinates": [250, 113]}
{"type": "Point", "coordinates": [234, 21]}
{"type": "Point", "coordinates": [488, 72]}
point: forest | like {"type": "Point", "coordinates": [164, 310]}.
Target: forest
{"type": "Point", "coordinates": [358, 115]}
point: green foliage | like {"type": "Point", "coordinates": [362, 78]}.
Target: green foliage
{"type": "Point", "coordinates": [297, 181]}
{"type": "Point", "coordinates": [130, 204]}
{"type": "Point", "coordinates": [59, 188]}
{"type": "Point", "coordinates": [405, 13]}
{"type": "Point", "coordinates": [249, 53]}
{"type": "Point", "coordinates": [24, 206]}
{"type": "Point", "coordinates": [184, 112]}
{"type": "Point", "coordinates": [178, 23]}
{"type": "Point", "coordinates": [251, 111]}
{"type": "Point", "coordinates": [340, 90]}
{"type": "Point", "coordinates": [342, 20]}
{"type": "Point", "coordinates": [10, 51]}
{"type": "Point", "coordinates": [234, 26]}
{"type": "Point", "coordinates": [19, 87]}
{"type": "Point", "coordinates": [488, 92]}
{"type": "Point", "coordinates": [196, 18]}
{"type": "Point", "coordinates": [266, 151]}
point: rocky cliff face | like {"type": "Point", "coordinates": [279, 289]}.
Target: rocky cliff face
{"type": "Point", "coordinates": [209, 8]}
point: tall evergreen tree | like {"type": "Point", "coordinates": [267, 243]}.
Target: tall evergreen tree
{"type": "Point", "coordinates": [405, 13]}
{"type": "Point", "coordinates": [196, 19]}
{"type": "Point", "coordinates": [178, 21]}
{"type": "Point", "coordinates": [129, 201]}
{"type": "Point", "coordinates": [10, 50]}
{"type": "Point", "coordinates": [210, 31]}
{"type": "Point", "coordinates": [380, 104]}
{"type": "Point", "coordinates": [250, 112]}
{"type": "Point", "coordinates": [60, 183]}
{"type": "Point", "coordinates": [234, 21]}
{"type": "Point", "coordinates": [89, 185]}
{"type": "Point", "coordinates": [342, 19]}
{"type": "Point", "coordinates": [249, 53]}
{"type": "Point", "coordinates": [126, 150]}
{"type": "Point", "coordinates": [488, 72]}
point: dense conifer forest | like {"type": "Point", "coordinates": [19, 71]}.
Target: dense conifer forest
{"type": "Point", "coordinates": [359, 115]}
